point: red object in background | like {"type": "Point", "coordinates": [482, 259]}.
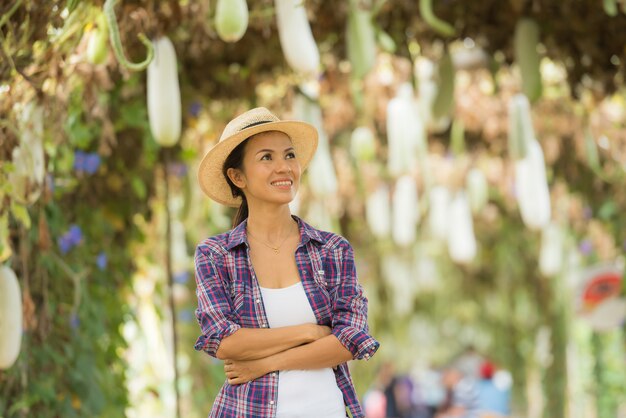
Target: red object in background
{"type": "Point", "coordinates": [487, 369]}
{"type": "Point", "coordinates": [601, 286]}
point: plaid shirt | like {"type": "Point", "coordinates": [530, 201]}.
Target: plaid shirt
{"type": "Point", "coordinates": [229, 298]}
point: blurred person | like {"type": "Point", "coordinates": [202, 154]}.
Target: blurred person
{"type": "Point", "coordinates": [493, 392]}
{"type": "Point", "coordinates": [461, 395]}
{"type": "Point", "coordinates": [469, 362]}
{"type": "Point", "coordinates": [402, 399]}
{"type": "Point", "coordinates": [431, 390]}
{"type": "Point", "coordinates": [278, 300]}
{"type": "Point", "coordinates": [374, 400]}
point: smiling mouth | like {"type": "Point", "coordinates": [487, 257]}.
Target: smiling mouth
{"type": "Point", "coordinates": [282, 183]}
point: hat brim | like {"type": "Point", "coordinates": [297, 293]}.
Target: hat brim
{"type": "Point", "coordinates": [304, 138]}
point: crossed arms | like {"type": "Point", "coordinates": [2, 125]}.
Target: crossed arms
{"type": "Point", "coordinates": [250, 353]}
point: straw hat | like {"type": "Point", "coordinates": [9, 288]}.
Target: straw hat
{"type": "Point", "coordinates": [303, 137]}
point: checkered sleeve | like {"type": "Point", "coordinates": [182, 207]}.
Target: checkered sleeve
{"type": "Point", "coordinates": [215, 313]}
{"type": "Point", "coordinates": [350, 307]}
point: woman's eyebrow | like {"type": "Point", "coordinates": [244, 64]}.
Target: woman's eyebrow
{"type": "Point", "coordinates": [271, 150]}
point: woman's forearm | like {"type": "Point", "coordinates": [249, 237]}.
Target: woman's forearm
{"type": "Point", "coordinates": [257, 343]}
{"type": "Point", "coordinates": [322, 353]}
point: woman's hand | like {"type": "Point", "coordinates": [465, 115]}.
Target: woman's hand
{"type": "Point", "coordinates": [244, 371]}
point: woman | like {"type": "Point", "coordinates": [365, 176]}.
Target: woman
{"type": "Point", "coordinates": [278, 300]}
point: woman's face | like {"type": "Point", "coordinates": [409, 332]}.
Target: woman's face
{"type": "Point", "coordinates": [271, 171]}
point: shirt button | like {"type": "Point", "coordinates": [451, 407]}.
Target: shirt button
{"type": "Point", "coordinates": [271, 402]}
{"type": "Point", "coordinates": [258, 301]}
{"type": "Point", "coordinates": [367, 355]}
{"type": "Point", "coordinates": [273, 373]}
{"type": "Point", "coordinates": [264, 325]}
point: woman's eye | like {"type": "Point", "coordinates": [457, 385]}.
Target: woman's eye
{"type": "Point", "coordinates": [266, 157]}
{"type": "Point", "coordinates": [291, 155]}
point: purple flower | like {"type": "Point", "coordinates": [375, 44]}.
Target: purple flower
{"type": "Point", "coordinates": [70, 239]}
{"type": "Point", "coordinates": [65, 244]}
{"type": "Point", "coordinates": [50, 182]}
{"type": "Point", "coordinates": [79, 160]}
{"type": "Point", "coordinates": [75, 234]}
{"type": "Point", "coordinates": [101, 261]}
{"type": "Point", "coordinates": [74, 321]}
{"type": "Point", "coordinates": [92, 162]}
{"type": "Point", "coordinates": [177, 169]}
{"type": "Point", "coordinates": [181, 277]}
{"type": "Point", "coordinates": [585, 247]}
{"type": "Point", "coordinates": [195, 109]}
{"type": "Point", "coordinates": [86, 162]}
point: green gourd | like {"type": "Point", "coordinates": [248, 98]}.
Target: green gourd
{"type": "Point", "coordinates": [97, 47]}
{"type": "Point", "coordinates": [527, 57]}
{"type": "Point", "coordinates": [444, 101]}
{"type": "Point", "coordinates": [521, 131]}
{"type": "Point", "coordinates": [231, 19]}
{"type": "Point", "coordinates": [361, 40]}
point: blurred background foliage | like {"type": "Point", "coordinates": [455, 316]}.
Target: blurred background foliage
{"type": "Point", "coordinates": [103, 244]}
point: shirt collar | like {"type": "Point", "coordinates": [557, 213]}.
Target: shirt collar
{"type": "Point", "coordinates": [237, 235]}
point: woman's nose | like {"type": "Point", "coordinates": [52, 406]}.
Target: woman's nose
{"type": "Point", "coordinates": [282, 166]}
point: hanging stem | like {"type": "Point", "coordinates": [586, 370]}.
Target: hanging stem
{"type": "Point", "coordinates": [426, 10]}
{"type": "Point", "coordinates": [114, 34]}
{"type": "Point", "coordinates": [170, 278]}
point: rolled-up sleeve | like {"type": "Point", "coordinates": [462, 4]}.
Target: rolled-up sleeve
{"type": "Point", "coordinates": [350, 309]}
{"type": "Point", "coordinates": [215, 313]}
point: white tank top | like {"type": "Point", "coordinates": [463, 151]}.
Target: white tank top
{"type": "Point", "coordinates": [301, 393]}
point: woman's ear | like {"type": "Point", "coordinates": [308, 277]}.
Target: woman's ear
{"type": "Point", "coordinates": [237, 177]}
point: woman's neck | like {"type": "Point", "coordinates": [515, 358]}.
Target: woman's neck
{"type": "Point", "coordinates": [271, 224]}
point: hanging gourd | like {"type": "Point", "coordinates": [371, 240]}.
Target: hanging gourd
{"type": "Point", "coordinates": [296, 38]}
{"type": "Point", "coordinates": [457, 137]}
{"type": "Point", "coordinates": [28, 158]}
{"type": "Point", "coordinates": [425, 270]}
{"type": "Point", "coordinates": [164, 94]}
{"type": "Point", "coordinates": [361, 39]}
{"type": "Point", "coordinates": [378, 212]}
{"type": "Point", "coordinates": [98, 44]}
{"type": "Point", "coordinates": [405, 132]}
{"type": "Point", "coordinates": [521, 131]}
{"type": "Point", "coordinates": [231, 19]}
{"type": "Point", "coordinates": [363, 144]}
{"type": "Point", "coordinates": [444, 101]}
{"type": "Point", "coordinates": [321, 167]}
{"type": "Point", "coordinates": [531, 186]}
{"type": "Point", "coordinates": [477, 189]}
{"type": "Point", "coordinates": [405, 211]}
{"type": "Point", "coordinates": [424, 70]}
{"type": "Point", "coordinates": [527, 57]}
{"type": "Point", "coordinates": [551, 253]}
{"type": "Point", "coordinates": [461, 239]}
{"type": "Point", "coordinates": [399, 279]}
{"type": "Point", "coordinates": [438, 206]}
{"type": "Point", "coordinates": [10, 318]}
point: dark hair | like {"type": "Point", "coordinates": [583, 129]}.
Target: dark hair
{"type": "Point", "coordinates": [235, 160]}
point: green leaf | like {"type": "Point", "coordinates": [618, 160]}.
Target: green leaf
{"type": "Point", "coordinates": [139, 188]}
{"type": "Point", "coordinates": [20, 213]}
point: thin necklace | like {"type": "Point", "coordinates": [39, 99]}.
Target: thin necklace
{"type": "Point", "coordinates": [276, 249]}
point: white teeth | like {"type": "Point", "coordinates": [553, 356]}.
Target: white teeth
{"type": "Point", "coordinates": [281, 183]}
